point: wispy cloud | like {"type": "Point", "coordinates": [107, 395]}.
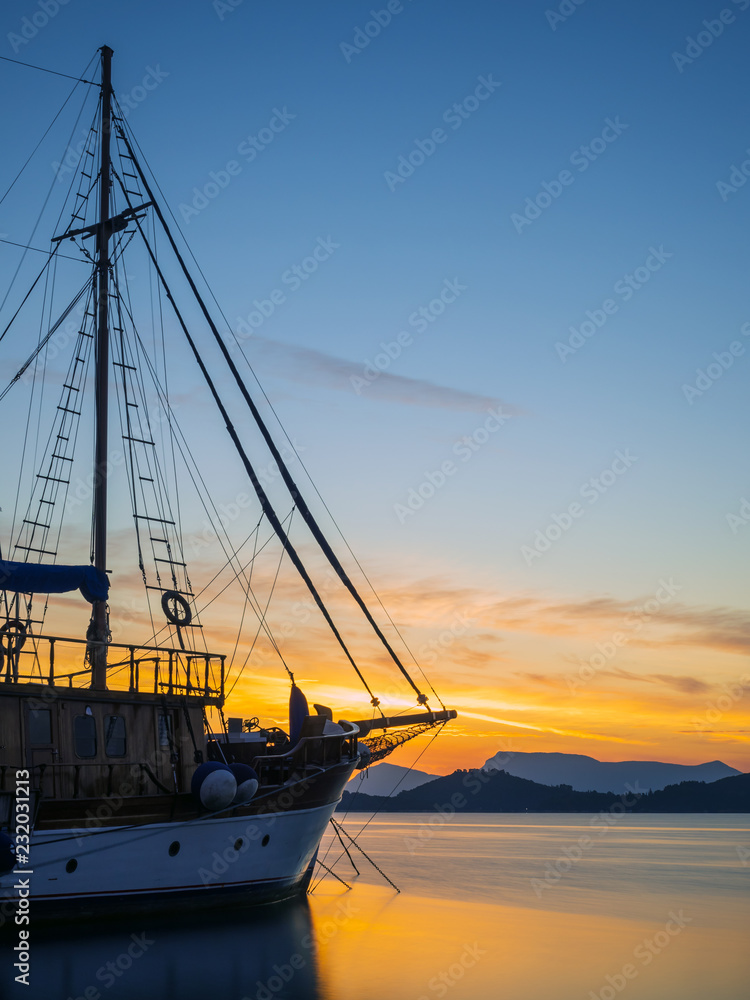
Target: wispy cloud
{"type": "Point", "coordinates": [434, 601]}
{"type": "Point", "coordinates": [720, 628]}
{"type": "Point", "coordinates": [684, 684]}
{"type": "Point", "coordinates": [577, 733]}
{"type": "Point", "coordinates": [312, 367]}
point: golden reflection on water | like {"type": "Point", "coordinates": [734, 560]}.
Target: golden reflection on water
{"type": "Point", "coordinates": [655, 909]}
{"type": "Point", "coordinates": [376, 945]}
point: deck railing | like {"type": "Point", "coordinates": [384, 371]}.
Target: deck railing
{"type": "Point", "coordinates": [153, 669]}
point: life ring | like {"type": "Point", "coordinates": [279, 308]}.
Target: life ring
{"type": "Point", "coordinates": [170, 602]}
{"type": "Point", "coordinates": [13, 636]}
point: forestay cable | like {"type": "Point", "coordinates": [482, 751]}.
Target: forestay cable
{"type": "Point", "coordinates": [297, 497]}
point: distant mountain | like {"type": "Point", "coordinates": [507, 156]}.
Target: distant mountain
{"type": "Point", "coordinates": [498, 792]}
{"type": "Point", "coordinates": [381, 779]}
{"type": "Point", "coordinates": [587, 774]}
{"type": "Point", "coordinates": [481, 791]}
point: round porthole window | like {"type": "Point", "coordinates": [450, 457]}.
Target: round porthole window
{"type": "Point", "coordinates": [265, 841]}
{"type": "Point", "coordinates": [174, 848]}
{"type": "Point", "coordinates": [71, 866]}
{"type": "Point", "coordinates": [238, 844]}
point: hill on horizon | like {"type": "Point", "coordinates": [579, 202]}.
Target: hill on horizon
{"type": "Point", "coordinates": [387, 779]}
{"type": "Point", "coordinates": [582, 773]}
{"type": "Point", "coordinates": [491, 791]}
{"type": "Point", "coordinates": [586, 774]}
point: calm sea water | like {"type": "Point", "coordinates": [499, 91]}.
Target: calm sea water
{"type": "Point", "coordinates": [523, 907]}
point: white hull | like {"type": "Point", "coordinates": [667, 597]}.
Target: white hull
{"type": "Point", "coordinates": [250, 857]}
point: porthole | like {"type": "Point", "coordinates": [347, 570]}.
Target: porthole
{"type": "Point", "coordinates": [265, 841]}
{"type": "Point", "coordinates": [174, 848]}
{"type": "Point", "coordinates": [238, 844]}
{"type": "Point", "coordinates": [71, 866]}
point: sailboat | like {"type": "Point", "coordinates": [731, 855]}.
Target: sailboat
{"type": "Point", "coordinates": [117, 792]}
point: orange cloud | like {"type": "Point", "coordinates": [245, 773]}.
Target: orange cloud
{"type": "Point", "coordinates": [543, 671]}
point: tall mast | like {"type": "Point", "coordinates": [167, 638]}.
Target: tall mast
{"type": "Point", "coordinates": [99, 631]}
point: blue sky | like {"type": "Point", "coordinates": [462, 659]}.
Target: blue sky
{"type": "Point", "coordinates": [228, 73]}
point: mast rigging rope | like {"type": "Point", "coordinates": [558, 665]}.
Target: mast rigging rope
{"type": "Point", "coordinates": [297, 497]}
{"type": "Point", "coordinates": [273, 410]}
{"type": "Point", "coordinates": [186, 453]}
{"type": "Point", "coordinates": [249, 469]}
{"type": "Point", "coordinates": [54, 72]}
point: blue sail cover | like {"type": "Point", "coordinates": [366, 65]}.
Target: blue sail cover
{"type": "Point", "coordinates": [36, 578]}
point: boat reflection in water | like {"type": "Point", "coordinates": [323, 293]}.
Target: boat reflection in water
{"type": "Point", "coordinates": [264, 953]}
{"type": "Point", "coordinates": [664, 898]}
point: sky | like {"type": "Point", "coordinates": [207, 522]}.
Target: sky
{"type": "Point", "coordinates": [488, 262]}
